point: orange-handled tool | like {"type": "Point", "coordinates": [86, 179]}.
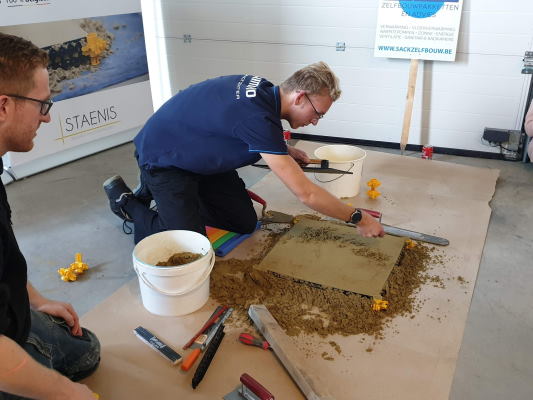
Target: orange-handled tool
{"type": "Point", "coordinates": [190, 360]}
{"type": "Point", "coordinates": [251, 340]}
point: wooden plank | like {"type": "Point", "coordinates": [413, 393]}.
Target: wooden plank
{"type": "Point", "coordinates": [411, 86]}
{"type": "Point", "coordinates": [311, 386]}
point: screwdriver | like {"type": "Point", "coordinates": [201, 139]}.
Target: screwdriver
{"type": "Point", "coordinates": [251, 340]}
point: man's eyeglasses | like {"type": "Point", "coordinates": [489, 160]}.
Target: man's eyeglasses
{"type": "Point", "coordinates": [46, 105]}
{"type": "Point", "coordinates": [318, 115]}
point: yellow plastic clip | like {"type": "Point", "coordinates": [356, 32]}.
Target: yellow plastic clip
{"type": "Point", "coordinates": [373, 193]}
{"type": "Point", "coordinates": [78, 266]}
{"type": "Point", "coordinates": [71, 273]}
{"type": "Point", "coordinates": [94, 48]}
{"type": "Point", "coordinates": [380, 305]}
{"type": "Point", "coordinates": [409, 244]}
{"type": "Point", "coordinates": [67, 274]}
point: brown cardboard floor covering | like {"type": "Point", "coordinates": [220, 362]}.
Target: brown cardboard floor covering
{"type": "Point", "coordinates": [415, 359]}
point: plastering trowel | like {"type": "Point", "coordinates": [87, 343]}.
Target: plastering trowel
{"type": "Point", "coordinates": [394, 231]}
{"type": "Point", "coordinates": [249, 389]}
{"type": "Point", "coordinates": [270, 217]}
{"type": "Point", "coordinates": [322, 169]}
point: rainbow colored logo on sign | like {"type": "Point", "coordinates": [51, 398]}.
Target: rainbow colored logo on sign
{"type": "Point", "coordinates": [423, 8]}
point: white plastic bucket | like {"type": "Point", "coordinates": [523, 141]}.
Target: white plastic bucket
{"type": "Point", "coordinates": [345, 158]}
{"type": "Point", "coordinates": [179, 290]}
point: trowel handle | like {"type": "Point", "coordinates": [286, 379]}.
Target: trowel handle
{"type": "Point", "coordinates": [190, 360]}
{"type": "Point", "coordinates": [259, 199]}
{"type": "Point", "coordinates": [251, 340]}
{"type": "Point", "coordinates": [375, 214]}
{"type": "Point", "coordinates": [256, 388]}
{"type": "Point", "coordinates": [256, 197]}
{"type": "Point", "coordinates": [323, 163]}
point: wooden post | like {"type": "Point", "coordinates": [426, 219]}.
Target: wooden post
{"type": "Point", "coordinates": [413, 69]}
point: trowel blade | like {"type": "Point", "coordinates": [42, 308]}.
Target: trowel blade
{"type": "Point", "coordinates": [276, 217]}
{"type": "Point", "coordinates": [422, 237]}
{"type": "Point", "coordinates": [316, 170]}
{"type": "Point", "coordinates": [235, 395]}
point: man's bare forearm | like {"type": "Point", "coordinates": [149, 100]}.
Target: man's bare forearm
{"type": "Point", "coordinates": [36, 298]}
{"type": "Point", "coordinates": [22, 375]}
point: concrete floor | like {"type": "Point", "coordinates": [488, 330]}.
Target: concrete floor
{"type": "Point", "coordinates": [64, 210]}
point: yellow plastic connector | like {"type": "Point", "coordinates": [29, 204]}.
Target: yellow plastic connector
{"type": "Point", "coordinates": [373, 193]}
{"type": "Point", "coordinates": [78, 266]}
{"type": "Point", "coordinates": [71, 273]}
{"type": "Point", "coordinates": [94, 48]}
{"type": "Point", "coordinates": [410, 243]}
{"type": "Point", "coordinates": [380, 305]}
{"type": "Point", "coordinates": [67, 274]}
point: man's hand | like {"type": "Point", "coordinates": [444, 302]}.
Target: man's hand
{"type": "Point", "coordinates": [62, 310]}
{"type": "Point", "coordinates": [80, 392]}
{"type": "Point", "coordinates": [56, 308]}
{"type": "Point", "coordinates": [299, 156]}
{"type": "Point", "coordinates": [369, 226]}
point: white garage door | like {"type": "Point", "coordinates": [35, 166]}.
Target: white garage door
{"type": "Point", "coordinates": [454, 101]}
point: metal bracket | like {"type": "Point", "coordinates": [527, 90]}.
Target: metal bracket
{"type": "Point", "coordinates": [341, 46]}
{"type": "Point", "coordinates": [528, 63]}
{"type": "Point", "coordinates": [10, 172]}
{"type": "Point", "coordinates": [187, 38]}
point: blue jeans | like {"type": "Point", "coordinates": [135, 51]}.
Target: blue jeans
{"type": "Point", "coordinates": [51, 344]}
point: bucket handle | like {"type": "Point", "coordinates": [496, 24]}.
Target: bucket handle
{"type": "Point", "coordinates": [143, 277]}
{"type": "Point", "coordinates": [334, 179]}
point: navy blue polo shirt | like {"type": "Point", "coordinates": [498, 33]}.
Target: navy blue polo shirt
{"type": "Point", "coordinates": [214, 126]}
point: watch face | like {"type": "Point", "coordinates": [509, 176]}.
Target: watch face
{"type": "Point", "coordinates": [356, 217]}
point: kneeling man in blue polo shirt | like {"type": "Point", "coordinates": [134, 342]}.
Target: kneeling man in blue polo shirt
{"type": "Point", "coordinates": [189, 150]}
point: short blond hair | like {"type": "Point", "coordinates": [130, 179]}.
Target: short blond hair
{"type": "Point", "coordinates": [313, 78]}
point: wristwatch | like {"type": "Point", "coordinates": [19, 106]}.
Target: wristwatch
{"type": "Point", "coordinates": [356, 217]}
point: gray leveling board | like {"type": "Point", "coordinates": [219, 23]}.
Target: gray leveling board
{"type": "Point", "coordinates": [313, 387]}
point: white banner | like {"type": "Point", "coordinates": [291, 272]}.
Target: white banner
{"type": "Point", "coordinates": [421, 29]}
{"type": "Point", "coordinates": [98, 75]}
{"type": "Point", "coordinates": [18, 12]}
{"type": "Point", "coordinates": [86, 118]}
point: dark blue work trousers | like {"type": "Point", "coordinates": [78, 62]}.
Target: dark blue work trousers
{"type": "Point", "coordinates": [190, 201]}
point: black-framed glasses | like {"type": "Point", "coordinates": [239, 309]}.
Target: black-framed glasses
{"type": "Point", "coordinates": [318, 115]}
{"type": "Point", "coordinates": [46, 105]}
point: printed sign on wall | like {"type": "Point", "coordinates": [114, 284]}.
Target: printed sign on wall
{"type": "Point", "coordinates": [418, 29]}
{"type": "Point", "coordinates": [98, 73]}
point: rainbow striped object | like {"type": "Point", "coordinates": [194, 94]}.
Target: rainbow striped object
{"type": "Point", "coordinates": [224, 241]}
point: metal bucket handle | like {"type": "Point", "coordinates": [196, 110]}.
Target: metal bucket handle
{"type": "Point", "coordinates": [183, 291]}
{"type": "Point", "coordinates": [334, 179]}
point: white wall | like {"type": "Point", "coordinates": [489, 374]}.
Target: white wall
{"type": "Point", "coordinates": [484, 87]}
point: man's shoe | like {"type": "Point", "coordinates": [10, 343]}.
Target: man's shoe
{"type": "Point", "coordinates": [142, 193]}
{"type": "Point", "coordinates": [118, 193]}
